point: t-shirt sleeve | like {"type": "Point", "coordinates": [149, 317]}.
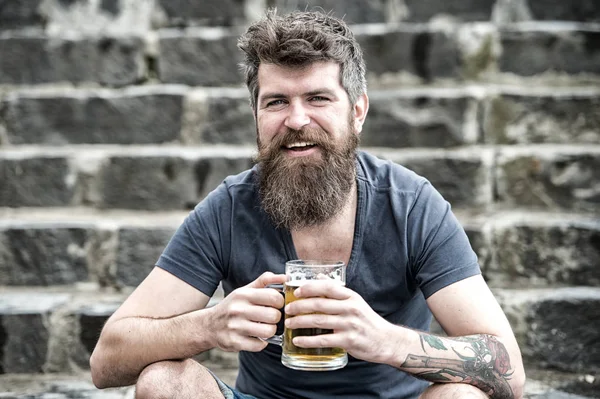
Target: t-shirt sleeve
{"type": "Point", "coordinates": [439, 250]}
{"type": "Point", "coordinates": [198, 252]}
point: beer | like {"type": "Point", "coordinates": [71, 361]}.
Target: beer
{"type": "Point", "coordinates": [308, 358]}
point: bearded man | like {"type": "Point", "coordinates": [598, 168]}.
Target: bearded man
{"type": "Point", "coordinates": [313, 195]}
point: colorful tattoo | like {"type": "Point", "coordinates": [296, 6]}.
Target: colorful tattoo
{"type": "Point", "coordinates": [483, 363]}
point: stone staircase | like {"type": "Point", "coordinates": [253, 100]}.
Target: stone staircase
{"type": "Point", "coordinates": [117, 116]}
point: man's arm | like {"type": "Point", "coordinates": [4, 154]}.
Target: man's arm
{"type": "Point", "coordinates": [481, 350]}
{"type": "Point", "coordinates": [164, 318]}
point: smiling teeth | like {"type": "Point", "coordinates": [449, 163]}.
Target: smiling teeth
{"type": "Point", "coordinates": [300, 144]}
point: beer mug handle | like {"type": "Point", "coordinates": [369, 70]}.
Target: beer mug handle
{"type": "Point", "coordinates": [275, 339]}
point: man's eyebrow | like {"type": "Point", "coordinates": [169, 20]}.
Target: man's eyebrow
{"type": "Point", "coordinates": [270, 96]}
{"type": "Point", "coordinates": [321, 91]}
{"type": "Point", "coordinates": [316, 92]}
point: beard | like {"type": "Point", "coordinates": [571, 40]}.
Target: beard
{"type": "Point", "coordinates": [299, 192]}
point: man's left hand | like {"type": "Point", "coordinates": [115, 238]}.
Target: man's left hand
{"type": "Point", "coordinates": [357, 328]}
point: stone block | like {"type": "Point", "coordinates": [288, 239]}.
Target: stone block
{"type": "Point", "coordinates": [220, 117]}
{"type": "Point", "coordinates": [550, 178]}
{"type": "Point", "coordinates": [147, 182]}
{"type": "Point", "coordinates": [207, 12]}
{"type": "Point", "coordinates": [528, 52]}
{"type": "Point", "coordinates": [91, 320]}
{"type": "Point", "coordinates": [133, 116]}
{"type": "Point", "coordinates": [544, 117]}
{"type": "Point", "coordinates": [43, 254]}
{"type": "Point", "coordinates": [545, 250]}
{"type": "Point", "coordinates": [20, 14]}
{"type": "Point", "coordinates": [199, 57]}
{"type": "Point", "coordinates": [426, 10]}
{"type": "Point", "coordinates": [210, 172]}
{"type": "Point", "coordinates": [579, 11]}
{"type": "Point", "coordinates": [34, 59]}
{"type": "Point", "coordinates": [564, 329]}
{"type": "Point", "coordinates": [36, 181]}
{"type": "Point", "coordinates": [25, 330]}
{"type": "Point", "coordinates": [417, 50]}
{"type": "Point", "coordinates": [480, 237]}
{"type": "Point", "coordinates": [138, 251]}
{"type": "Point", "coordinates": [352, 11]}
{"type": "Point", "coordinates": [419, 118]}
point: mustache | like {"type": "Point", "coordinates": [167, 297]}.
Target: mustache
{"type": "Point", "coordinates": [313, 135]}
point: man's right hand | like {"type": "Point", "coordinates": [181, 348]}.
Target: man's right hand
{"type": "Point", "coordinates": [247, 314]}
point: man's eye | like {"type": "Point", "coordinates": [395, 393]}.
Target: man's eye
{"type": "Point", "coordinates": [274, 103]}
{"type": "Point", "coordinates": [319, 98]}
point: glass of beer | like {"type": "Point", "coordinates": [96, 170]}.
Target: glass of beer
{"type": "Point", "coordinates": [299, 272]}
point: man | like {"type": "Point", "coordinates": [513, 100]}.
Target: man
{"type": "Point", "coordinates": [313, 196]}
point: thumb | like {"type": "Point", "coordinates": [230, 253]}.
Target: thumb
{"type": "Point", "coordinates": [267, 278]}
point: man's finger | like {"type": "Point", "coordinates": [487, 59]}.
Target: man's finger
{"type": "Point", "coordinates": [333, 289]}
{"type": "Point", "coordinates": [267, 278]}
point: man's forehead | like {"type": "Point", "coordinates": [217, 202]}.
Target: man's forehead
{"type": "Point", "coordinates": [323, 74]}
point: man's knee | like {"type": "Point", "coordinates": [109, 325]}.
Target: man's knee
{"type": "Point", "coordinates": [452, 391]}
{"type": "Point", "coordinates": [176, 379]}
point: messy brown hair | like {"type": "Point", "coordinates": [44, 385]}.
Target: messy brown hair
{"type": "Point", "coordinates": [299, 39]}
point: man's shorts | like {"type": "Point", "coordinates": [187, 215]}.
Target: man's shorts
{"type": "Point", "coordinates": [229, 392]}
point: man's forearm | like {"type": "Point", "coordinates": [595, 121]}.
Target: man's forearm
{"type": "Point", "coordinates": [128, 345]}
{"type": "Point", "coordinates": [479, 360]}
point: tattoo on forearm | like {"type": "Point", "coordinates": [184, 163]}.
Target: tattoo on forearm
{"type": "Point", "coordinates": [483, 362]}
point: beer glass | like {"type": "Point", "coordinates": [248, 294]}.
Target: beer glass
{"type": "Point", "coordinates": [317, 359]}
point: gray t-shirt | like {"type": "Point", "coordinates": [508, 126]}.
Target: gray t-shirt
{"type": "Point", "coordinates": [407, 245]}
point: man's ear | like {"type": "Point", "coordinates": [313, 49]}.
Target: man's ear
{"type": "Point", "coordinates": [360, 109]}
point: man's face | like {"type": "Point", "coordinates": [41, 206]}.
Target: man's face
{"type": "Point", "coordinates": [307, 99]}
{"type": "Point", "coordinates": [307, 136]}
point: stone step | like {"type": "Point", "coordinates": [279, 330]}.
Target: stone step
{"type": "Point", "coordinates": [395, 54]}
{"type": "Point", "coordinates": [137, 15]}
{"type": "Point", "coordinates": [50, 247]}
{"type": "Point", "coordinates": [541, 384]}
{"type": "Point", "coordinates": [409, 117]}
{"type": "Point", "coordinates": [54, 331]}
{"type": "Point", "coordinates": [550, 177]}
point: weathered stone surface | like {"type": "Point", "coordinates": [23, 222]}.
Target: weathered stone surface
{"type": "Point", "coordinates": [352, 11]}
{"type": "Point", "coordinates": [147, 182]}
{"type": "Point", "coordinates": [580, 11]}
{"type": "Point", "coordinates": [419, 119]}
{"type": "Point", "coordinates": [480, 237]}
{"type": "Point", "coordinates": [545, 250]}
{"type": "Point", "coordinates": [425, 10]}
{"type": "Point", "coordinates": [464, 178]}
{"type": "Point", "coordinates": [568, 117]}
{"type": "Point", "coordinates": [139, 249]}
{"type": "Point", "coordinates": [564, 330]}
{"type": "Point", "coordinates": [20, 14]}
{"type": "Point", "coordinates": [43, 255]}
{"type": "Point", "coordinates": [134, 116]}
{"type": "Point", "coordinates": [210, 172]}
{"type": "Point", "coordinates": [91, 320]}
{"type": "Point", "coordinates": [24, 320]}
{"type": "Point", "coordinates": [39, 181]}
{"type": "Point", "coordinates": [33, 59]}
{"type": "Point", "coordinates": [199, 57]}
{"type": "Point", "coordinates": [207, 12]}
{"type": "Point", "coordinates": [529, 52]}
{"type": "Point", "coordinates": [550, 178]}
{"type": "Point", "coordinates": [220, 119]}
{"type": "Point", "coordinates": [428, 54]}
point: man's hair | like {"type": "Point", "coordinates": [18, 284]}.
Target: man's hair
{"type": "Point", "coordinates": [299, 39]}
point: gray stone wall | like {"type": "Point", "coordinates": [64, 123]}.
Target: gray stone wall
{"type": "Point", "coordinates": [118, 116]}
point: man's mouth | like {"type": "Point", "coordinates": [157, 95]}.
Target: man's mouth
{"type": "Point", "coordinates": [300, 146]}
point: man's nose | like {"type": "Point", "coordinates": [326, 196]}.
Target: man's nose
{"type": "Point", "coordinates": [297, 117]}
